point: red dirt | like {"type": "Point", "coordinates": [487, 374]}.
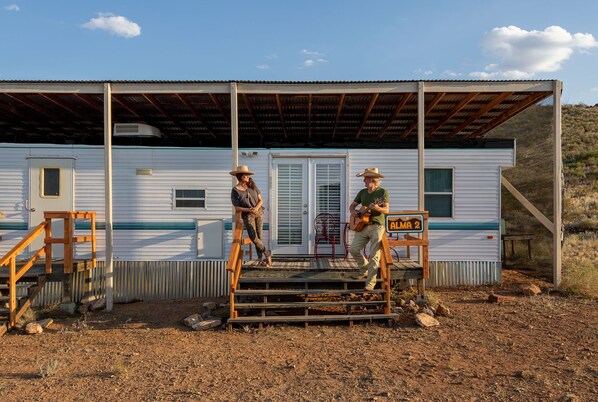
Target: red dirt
{"type": "Point", "coordinates": [534, 348]}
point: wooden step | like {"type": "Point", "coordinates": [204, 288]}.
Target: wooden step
{"type": "Point", "coordinates": [309, 304]}
{"type": "Point", "coordinates": [245, 280]}
{"type": "Point", "coordinates": [310, 318]}
{"type": "Point", "coordinates": [291, 292]}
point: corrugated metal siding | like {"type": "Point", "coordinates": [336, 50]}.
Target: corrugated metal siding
{"type": "Point", "coordinates": [149, 280]}
{"type": "Point", "coordinates": [460, 273]}
{"type": "Point", "coordinates": [14, 185]}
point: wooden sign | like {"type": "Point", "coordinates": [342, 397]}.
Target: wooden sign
{"type": "Point", "coordinates": [404, 223]}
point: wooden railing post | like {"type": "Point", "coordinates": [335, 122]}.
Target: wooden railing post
{"type": "Point", "coordinates": [12, 289]}
{"type": "Point", "coordinates": [68, 243]}
{"type": "Point", "coordinates": [385, 263]}
{"type": "Point", "coordinates": [93, 240]}
{"type": "Point", "coordinates": [48, 245]}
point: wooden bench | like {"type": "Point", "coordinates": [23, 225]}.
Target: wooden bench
{"type": "Point", "coordinates": [514, 238]}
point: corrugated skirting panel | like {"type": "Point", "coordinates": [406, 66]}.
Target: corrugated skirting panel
{"type": "Point", "coordinates": [458, 273]}
{"type": "Point", "coordinates": [147, 280]}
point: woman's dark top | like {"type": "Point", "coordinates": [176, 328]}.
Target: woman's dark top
{"type": "Point", "coordinates": [245, 198]}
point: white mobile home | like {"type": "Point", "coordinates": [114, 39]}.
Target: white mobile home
{"type": "Point", "coordinates": [169, 214]}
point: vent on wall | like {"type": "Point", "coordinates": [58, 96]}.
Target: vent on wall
{"type": "Point", "coordinates": [135, 130]}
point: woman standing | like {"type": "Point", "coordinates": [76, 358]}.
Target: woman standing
{"type": "Point", "coordinates": [246, 198]}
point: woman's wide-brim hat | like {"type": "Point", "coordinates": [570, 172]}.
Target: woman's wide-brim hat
{"type": "Point", "coordinates": [240, 170]}
{"type": "Point", "coordinates": [370, 172]}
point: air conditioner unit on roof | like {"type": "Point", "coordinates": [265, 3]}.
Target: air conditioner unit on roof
{"type": "Point", "coordinates": [135, 130]}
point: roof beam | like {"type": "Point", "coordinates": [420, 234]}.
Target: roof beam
{"type": "Point", "coordinates": [124, 103]}
{"type": "Point", "coordinates": [52, 87]}
{"type": "Point", "coordinates": [488, 86]}
{"type": "Point", "coordinates": [185, 101]}
{"type": "Point", "coordinates": [221, 108]}
{"type": "Point", "coordinates": [251, 114]}
{"type": "Point", "coordinates": [373, 100]}
{"type": "Point", "coordinates": [89, 101]}
{"type": "Point", "coordinates": [531, 99]}
{"type": "Point", "coordinates": [168, 88]}
{"type": "Point", "coordinates": [281, 114]}
{"type": "Point", "coordinates": [464, 102]}
{"type": "Point", "coordinates": [151, 98]}
{"type": "Point", "coordinates": [60, 104]}
{"type": "Point", "coordinates": [330, 88]}
{"type": "Point", "coordinates": [394, 114]}
{"type": "Point", "coordinates": [429, 107]}
{"type": "Point", "coordinates": [339, 108]}
{"type": "Point", "coordinates": [21, 98]}
{"type": "Point", "coordinates": [497, 100]}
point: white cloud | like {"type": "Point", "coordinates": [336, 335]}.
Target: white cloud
{"type": "Point", "coordinates": [522, 54]}
{"type": "Point", "coordinates": [451, 73]}
{"type": "Point", "coordinates": [272, 56]}
{"type": "Point", "coordinates": [12, 7]}
{"type": "Point", "coordinates": [311, 53]}
{"type": "Point", "coordinates": [115, 24]}
{"type": "Point", "coordinates": [595, 89]}
{"type": "Point", "coordinates": [263, 67]}
{"type": "Point", "coordinates": [313, 58]}
{"type": "Point", "coordinates": [424, 72]}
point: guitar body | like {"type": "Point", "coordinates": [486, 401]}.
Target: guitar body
{"type": "Point", "coordinates": [362, 218]}
{"type": "Point", "coordinates": [358, 222]}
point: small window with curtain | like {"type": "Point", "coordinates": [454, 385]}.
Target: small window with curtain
{"type": "Point", "coordinates": [50, 182]}
{"type": "Point", "coordinates": [438, 192]}
{"type": "Point", "coordinates": [192, 198]}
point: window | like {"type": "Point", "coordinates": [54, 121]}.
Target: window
{"type": "Point", "coordinates": [438, 192]}
{"type": "Point", "coordinates": [50, 182]}
{"type": "Point", "coordinates": [189, 198]}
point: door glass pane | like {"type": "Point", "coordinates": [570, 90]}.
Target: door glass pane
{"type": "Point", "coordinates": [290, 208]}
{"type": "Point", "coordinates": [51, 182]}
{"type": "Point", "coordinates": [328, 192]}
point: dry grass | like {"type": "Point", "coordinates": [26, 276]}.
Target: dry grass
{"type": "Point", "coordinates": [49, 368]}
{"type": "Point", "coordinates": [30, 315]}
{"type": "Point", "coordinates": [119, 369]}
{"type": "Point", "coordinates": [580, 265]}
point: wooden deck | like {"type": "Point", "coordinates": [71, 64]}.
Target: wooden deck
{"type": "Point", "coordinates": [326, 263]}
{"type": "Point", "coordinates": [323, 269]}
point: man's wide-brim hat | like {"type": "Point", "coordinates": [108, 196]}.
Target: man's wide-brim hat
{"type": "Point", "coordinates": [240, 170]}
{"type": "Point", "coordinates": [370, 172]}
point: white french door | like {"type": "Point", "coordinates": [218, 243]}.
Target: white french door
{"type": "Point", "coordinates": [302, 189]}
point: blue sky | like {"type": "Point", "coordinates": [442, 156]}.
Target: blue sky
{"type": "Point", "coordinates": [303, 40]}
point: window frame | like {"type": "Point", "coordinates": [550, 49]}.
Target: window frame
{"type": "Point", "coordinates": [42, 181]}
{"type": "Point", "coordinates": [452, 193]}
{"type": "Point", "coordinates": [174, 198]}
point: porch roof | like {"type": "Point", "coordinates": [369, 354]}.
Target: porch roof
{"type": "Point", "coordinates": [270, 114]}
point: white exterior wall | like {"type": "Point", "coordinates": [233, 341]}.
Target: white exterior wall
{"type": "Point", "coordinates": [147, 200]}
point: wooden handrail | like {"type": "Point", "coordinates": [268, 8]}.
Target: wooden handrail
{"type": "Point", "coordinates": [235, 260]}
{"type": "Point", "coordinates": [24, 243]}
{"type": "Point", "coordinates": [45, 227]}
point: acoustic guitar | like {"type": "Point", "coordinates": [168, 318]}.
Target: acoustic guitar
{"type": "Point", "coordinates": [362, 218]}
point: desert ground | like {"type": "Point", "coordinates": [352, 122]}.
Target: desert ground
{"type": "Point", "coordinates": [527, 349]}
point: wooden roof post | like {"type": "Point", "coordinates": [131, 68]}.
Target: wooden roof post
{"type": "Point", "coordinates": [109, 281]}
{"type": "Point", "coordinates": [234, 130]}
{"type": "Point", "coordinates": [557, 234]}
{"type": "Point", "coordinates": [421, 118]}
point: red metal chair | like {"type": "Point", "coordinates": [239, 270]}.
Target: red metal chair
{"type": "Point", "coordinates": [327, 231]}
